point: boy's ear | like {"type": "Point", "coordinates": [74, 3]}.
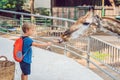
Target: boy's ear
{"type": "Point", "coordinates": [27, 30]}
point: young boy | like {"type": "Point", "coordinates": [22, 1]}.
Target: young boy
{"type": "Point", "coordinates": [25, 65]}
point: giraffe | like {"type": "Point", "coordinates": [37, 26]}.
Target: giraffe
{"type": "Point", "coordinates": [89, 25]}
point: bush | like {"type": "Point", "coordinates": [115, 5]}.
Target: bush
{"type": "Point", "coordinates": [100, 56]}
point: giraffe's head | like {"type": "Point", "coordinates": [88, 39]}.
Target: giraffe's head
{"type": "Point", "coordinates": [82, 29]}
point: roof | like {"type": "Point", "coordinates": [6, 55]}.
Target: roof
{"type": "Point", "coordinates": [71, 3]}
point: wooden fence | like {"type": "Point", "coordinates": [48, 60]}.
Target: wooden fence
{"type": "Point", "coordinates": [76, 12]}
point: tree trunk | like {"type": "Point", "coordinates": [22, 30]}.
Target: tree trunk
{"type": "Point", "coordinates": [32, 9]}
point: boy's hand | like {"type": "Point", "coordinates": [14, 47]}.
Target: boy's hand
{"type": "Point", "coordinates": [58, 40]}
{"type": "Point", "coordinates": [49, 43]}
{"type": "Point", "coordinates": [48, 46]}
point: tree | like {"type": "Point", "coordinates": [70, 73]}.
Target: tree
{"type": "Point", "coordinates": [12, 4]}
{"type": "Point", "coordinates": [32, 6]}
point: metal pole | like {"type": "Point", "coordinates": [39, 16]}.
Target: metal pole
{"type": "Point", "coordinates": [65, 49]}
{"type": "Point", "coordinates": [63, 16]}
{"type": "Point", "coordinates": [69, 13]}
{"type": "Point", "coordinates": [75, 18]}
{"type": "Point", "coordinates": [88, 52]}
{"type": "Point", "coordinates": [21, 23]}
{"type": "Point", "coordinates": [103, 8]}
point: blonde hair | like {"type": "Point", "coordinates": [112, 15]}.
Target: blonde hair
{"type": "Point", "coordinates": [26, 26]}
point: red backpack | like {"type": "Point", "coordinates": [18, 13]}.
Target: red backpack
{"type": "Point", "coordinates": [17, 51]}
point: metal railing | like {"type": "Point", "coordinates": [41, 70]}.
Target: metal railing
{"type": "Point", "coordinates": [106, 53]}
{"type": "Point", "coordinates": [93, 47]}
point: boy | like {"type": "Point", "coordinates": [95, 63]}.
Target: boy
{"type": "Point", "coordinates": [25, 65]}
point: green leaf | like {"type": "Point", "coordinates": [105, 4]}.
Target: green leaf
{"type": "Point", "coordinates": [0, 4]}
{"type": "Point", "coordinates": [8, 5]}
{"type": "Point", "coordinates": [13, 6]}
{"type": "Point", "coordinates": [4, 0]}
{"type": "Point", "coordinates": [4, 7]}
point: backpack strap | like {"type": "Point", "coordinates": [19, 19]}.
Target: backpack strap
{"type": "Point", "coordinates": [26, 52]}
{"type": "Point", "coordinates": [23, 37]}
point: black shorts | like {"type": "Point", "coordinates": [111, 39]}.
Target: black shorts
{"type": "Point", "coordinates": [25, 67]}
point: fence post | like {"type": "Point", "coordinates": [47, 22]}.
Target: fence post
{"type": "Point", "coordinates": [45, 21]}
{"type": "Point", "coordinates": [65, 49]}
{"type": "Point", "coordinates": [69, 15]}
{"type": "Point", "coordinates": [63, 16]}
{"type": "Point", "coordinates": [88, 52]}
{"type": "Point", "coordinates": [75, 12]}
{"type": "Point", "coordinates": [103, 8]}
{"type": "Point", "coordinates": [21, 23]}
{"type": "Point", "coordinates": [66, 24]}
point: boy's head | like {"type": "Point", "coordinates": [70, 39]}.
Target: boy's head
{"type": "Point", "coordinates": [28, 28]}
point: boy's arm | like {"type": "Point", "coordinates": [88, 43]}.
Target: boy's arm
{"type": "Point", "coordinates": [41, 45]}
